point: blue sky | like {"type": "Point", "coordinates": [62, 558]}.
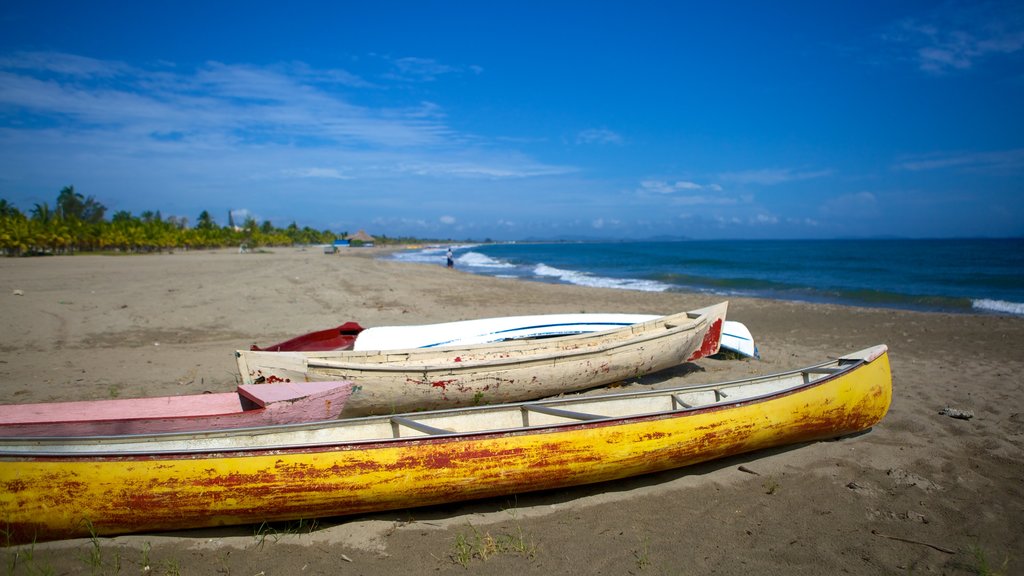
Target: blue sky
{"type": "Point", "coordinates": [526, 119]}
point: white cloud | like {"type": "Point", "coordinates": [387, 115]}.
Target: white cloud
{"type": "Point", "coordinates": [447, 220]}
{"type": "Point", "coordinates": [64, 64]}
{"type": "Point", "coordinates": [666, 187]}
{"type": "Point", "coordinates": [958, 35]}
{"type": "Point", "coordinates": [330, 173]}
{"type": "Point", "coordinates": [416, 69]}
{"type": "Point", "coordinates": [1001, 160]}
{"type": "Point", "coordinates": [772, 176]}
{"type": "Point", "coordinates": [493, 169]}
{"type": "Point", "coordinates": [703, 200]}
{"type": "Point", "coordinates": [679, 193]}
{"type": "Point", "coordinates": [859, 204]}
{"type": "Point", "coordinates": [598, 136]}
{"type": "Point", "coordinates": [235, 104]}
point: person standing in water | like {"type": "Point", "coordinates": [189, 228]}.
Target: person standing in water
{"type": "Point", "coordinates": [451, 259]}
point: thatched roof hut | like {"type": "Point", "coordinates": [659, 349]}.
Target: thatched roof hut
{"type": "Point", "coordinates": [362, 237]}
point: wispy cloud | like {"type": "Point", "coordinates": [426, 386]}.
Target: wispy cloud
{"type": "Point", "coordinates": [289, 112]}
{"type": "Point", "coordinates": [236, 104]}
{"type": "Point", "coordinates": [958, 35]}
{"type": "Point", "coordinates": [330, 173]}
{"type": "Point", "coordinates": [855, 205]}
{"type": "Point", "coordinates": [482, 169]}
{"type": "Point", "coordinates": [64, 64]}
{"type": "Point", "coordinates": [703, 200]}
{"type": "Point", "coordinates": [686, 193]}
{"type": "Point", "coordinates": [772, 176]}
{"type": "Point", "coordinates": [602, 223]}
{"type": "Point", "coordinates": [416, 69]}
{"type": "Point", "coordinates": [598, 136]}
{"type": "Point", "coordinates": [1000, 161]}
{"type": "Point", "coordinates": [674, 187]}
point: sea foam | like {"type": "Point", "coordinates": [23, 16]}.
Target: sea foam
{"type": "Point", "coordinates": [1002, 306]}
{"type": "Point", "coordinates": [478, 260]}
{"type": "Point", "coordinates": [584, 279]}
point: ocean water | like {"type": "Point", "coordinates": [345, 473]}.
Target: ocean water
{"type": "Point", "coordinates": [979, 276]}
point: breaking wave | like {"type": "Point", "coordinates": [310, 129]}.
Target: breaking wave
{"type": "Point", "coordinates": [585, 279]}
{"type": "Point", "coordinates": [1001, 306]}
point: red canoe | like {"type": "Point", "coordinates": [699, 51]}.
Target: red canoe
{"type": "Point", "coordinates": [252, 405]}
{"type": "Point", "coordinates": [340, 338]}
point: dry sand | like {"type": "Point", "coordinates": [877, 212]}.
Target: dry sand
{"type": "Point", "coordinates": [920, 493]}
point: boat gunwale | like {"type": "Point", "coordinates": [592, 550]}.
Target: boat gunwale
{"type": "Point", "coordinates": [845, 365]}
{"type": "Point", "coordinates": [649, 330]}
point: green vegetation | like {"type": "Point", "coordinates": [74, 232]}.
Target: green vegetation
{"type": "Point", "coordinates": [483, 546]}
{"type": "Point", "coordinates": [275, 530]}
{"type": "Point", "coordinates": [79, 224]}
{"type": "Point", "coordinates": [643, 554]}
{"type": "Point", "coordinates": [982, 567]}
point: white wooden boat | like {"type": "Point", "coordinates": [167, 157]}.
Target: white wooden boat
{"type": "Point", "coordinates": [389, 381]}
{"type": "Point", "coordinates": [65, 487]}
{"type": "Point", "coordinates": [735, 336]}
{"type": "Point", "coordinates": [485, 330]}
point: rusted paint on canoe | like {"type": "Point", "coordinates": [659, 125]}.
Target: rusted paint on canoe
{"type": "Point", "coordinates": [49, 497]}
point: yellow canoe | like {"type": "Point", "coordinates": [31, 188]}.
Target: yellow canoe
{"type": "Point", "coordinates": [57, 488]}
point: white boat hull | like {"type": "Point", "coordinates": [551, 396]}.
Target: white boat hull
{"type": "Point", "coordinates": [735, 336]}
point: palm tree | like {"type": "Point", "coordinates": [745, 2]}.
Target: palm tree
{"type": "Point", "coordinates": [42, 213]}
{"type": "Point", "coordinates": [8, 210]}
{"type": "Point", "coordinates": [205, 221]}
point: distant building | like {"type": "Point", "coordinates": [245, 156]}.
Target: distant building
{"type": "Point", "coordinates": [361, 238]}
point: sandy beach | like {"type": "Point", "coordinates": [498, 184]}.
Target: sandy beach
{"type": "Point", "coordinates": [921, 493]}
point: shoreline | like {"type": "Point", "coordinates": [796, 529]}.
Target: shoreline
{"type": "Point", "coordinates": [90, 327]}
{"type": "Point", "coordinates": [569, 266]}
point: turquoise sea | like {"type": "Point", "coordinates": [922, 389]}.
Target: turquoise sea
{"type": "Point", "coordinates": [956, 275]}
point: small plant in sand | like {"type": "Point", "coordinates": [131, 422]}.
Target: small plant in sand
{"type": "Point", "coordinates": [171, 568]}
{"type": "Point", "coordinates": [483, 545]}
{"type": "Point", "coordinates": [24, 555]}
{"type": "Point", "coordinates": [94, 559]}
{"type": "Point", "coordinates": [643, 554]}
{"type": "Point", "coordinates": [278, 530]}
{"type": "Point", "coordinates": [145, 563]}
{"type": "Point", "coordinates": [982, 568]}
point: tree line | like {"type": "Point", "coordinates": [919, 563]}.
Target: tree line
{"type": "Point", "coordinates": [78, 223]}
